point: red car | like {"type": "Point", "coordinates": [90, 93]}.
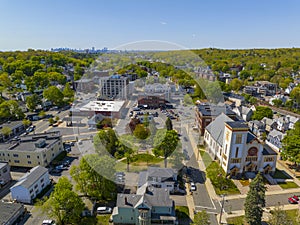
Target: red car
{"type": "Point", "coordinates": [293, 200]}
{"type": "Point", "coordinates": [296, 198]}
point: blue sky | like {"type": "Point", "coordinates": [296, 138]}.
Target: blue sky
{"type": "Point", "coordinates": [42, 24]}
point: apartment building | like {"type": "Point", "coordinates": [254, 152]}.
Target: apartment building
{"type": "Point", "coordinates": [114, 87]}
{"type": "Point", "coordinates": [32, 150]}
{"type": "Point", "coordinates": [30, 185]}
{"type": "Point", "coordinates": [5, 176]}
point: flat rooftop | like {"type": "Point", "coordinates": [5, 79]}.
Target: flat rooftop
{"type": "Point", "coordinates": [28, 143]}
{"type": "Point", "coordinates": [9, 210]}
{"type": "Point", "coordinates": [214, 110]}
{"type": "Point", "coordinates": [103, 106]}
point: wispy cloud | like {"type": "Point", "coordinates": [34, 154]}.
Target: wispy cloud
{"type": "Point", "coordinates": [163, 23]}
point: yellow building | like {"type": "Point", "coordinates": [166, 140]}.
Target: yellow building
{"type": "Point", "coordinates": [32, 150]}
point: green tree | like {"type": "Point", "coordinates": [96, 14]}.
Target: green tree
{"type": "Point", "coordinates": [201, 218]}
{"type": "Point", "coordinates": [187, 99]}
{"type": "Point", "coordinates": [33, 101]}
{"type": "Point", "coordinates": [6, 131]}
{"type": "Point", "coordinates": [26, 122]}
{"type": "Point", "coordinates": [64, 205]}
{"type": "Point", "coordinates": [291, 144]}
{"type": "Point", "coordinates": [93, 174]}
{"type": "Point", "coordinates": [68, 92]}
{"type": "Point", "coordinates": [295, 95]}
{"type": "Point", "coordinates": [141, 132]}
{"type": "Point", "coordinates": [167, 145]}
{"type": "Point", "coordinates": [277, 102]}
{"type": "Point", "coordinates": [51, 121]}
{"type": "Point", "coordinates": [236, 84]}
{"type": "Point", "coordinates": [255, 201]}
{"type": "Point", "coordinates": [169, 124]}
{"type": "Point", "coordinates": [261, 112]}
{"type": "Point", "coordinates": [54, 95]}
{"type": "Point", "coordinates": [279, 217]}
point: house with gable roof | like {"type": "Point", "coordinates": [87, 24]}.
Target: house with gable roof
{"type": "Point", "coordinates": [30, 185]}
{"type": "Point", "coordinates": [236, 148]}
{"type": "Point", "coordinates": [150, 205]}
{"type": "Point", "coordinates": [274, 139]}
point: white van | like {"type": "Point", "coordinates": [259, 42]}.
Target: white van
{"type": "Point", "coordinates": [48, 222]}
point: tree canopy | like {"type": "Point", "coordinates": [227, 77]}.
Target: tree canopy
{"type": "Point", "coordinates": [64, 205]}
{"type": "Point", "coordinates": [255, 201]}
{"type": "Point", "coordinates": [261, 112]}
{"type": "Point", "coordinates": [291, 144]}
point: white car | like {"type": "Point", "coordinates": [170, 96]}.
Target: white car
{"type": "Point", "coordinates": [104, 210]}
{"type": "Point", "coordinates": [48, 222]}
{"type": "Point", "coordinates": [193, 186]}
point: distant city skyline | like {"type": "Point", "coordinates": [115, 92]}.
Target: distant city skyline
{"type": "Point", "coordinates": [232, 24]}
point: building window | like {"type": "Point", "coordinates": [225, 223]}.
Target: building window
{"type": "Point", "coordinates": [268, 159]}
{"type": "Point", "coordinates": [38, 157]}
{"type": "Point", "coordinates": [43, 185]}
{"type": "Point", "coordinates": [251, 158]}
{"type": "Point", "coordinates": [15, 155]}
{"type": "Point", "coordinates": [35, 186]}
{"type": "Point", "coordinates": [226, 149]}
{"type": "Point", "coordinates": [227, 136]}
{"type": "Point", "coordinates": [236, 160]}
{"type": "Point", "coordinates": [236, 152]}
{"type": "Point", "coordinates": [31, 190]}
{"type": "Point", "coordinates": [29, 162]}
{"type": "Point", "coordinates": [42, 180]}
{"type": "Point", "coordinates": [4, 170]}
{"type": "Point", "coordinates": [238, 139]}
{"type": "Point", "coordinates": [28, 156]}
{"type": "Point", "coordinates": [17, 161]}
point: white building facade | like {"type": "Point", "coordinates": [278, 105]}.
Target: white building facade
{"type": "Point", "coordinates": [236, 149]}
{"type": "Point", "coordinates": [30, 185]}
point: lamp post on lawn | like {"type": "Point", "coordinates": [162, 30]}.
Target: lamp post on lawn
{"type": "Point", "coordinates": [222, 207]}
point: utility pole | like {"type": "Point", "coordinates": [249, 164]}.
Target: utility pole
{"type": "Point", "coordinates": [222, 207]}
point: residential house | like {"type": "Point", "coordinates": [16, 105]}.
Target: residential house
{"type": "Point", "coordinates": [11, 213]}
{"type": "Point", "coordinates": [30, 185]}
{"type": "Point", "coordinates": [243, 112]}
{"type": "Point", "coordinates": [16, 127]}
{"type": "Point", "coordinates": [274, 140]}
{"type": "Point", "coordinates": [206, 113]}
{"type": "Point", "coordinates": [278, 97]}
{"type": "Point", "coordinates": [149, 206]}
{"type": "Point", "coordinates": [237, 149]}
{"type": "Point", "coordinates": [237, 99]}
{"type": "Point", "coordinates": [5, 176]}
{"type": "Point", "coordinates": [270, 124]}
{"type": "Point", "coordinates": [282, 124]}
{"type": "Point", "coordinates": [257, 127]}
{"type": "Point", "coordinates": [165, 178]}
{"type": "Point", "coordinates": [32, 150]}
{"type": "Point", "coordinates": [291, 121]}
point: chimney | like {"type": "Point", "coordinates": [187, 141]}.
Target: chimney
{"type": "Point", "coordinates": [126, 202]}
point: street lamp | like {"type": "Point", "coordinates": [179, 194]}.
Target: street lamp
{"type": "Point", "coordinates": [222, 207]}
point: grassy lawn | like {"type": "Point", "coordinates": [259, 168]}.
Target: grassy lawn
{"type": "Point", "coordinates": [293, 214]}
{"type": "Point", "coordinates": [221, 184]}
{"type": "Point", "coordinates": [140, 162]}
{"type": "Point", "coordinates": [287, 185]}
{"type": "Point", "coordinates": [239, 220]}
{"type": "Point", "coordinates": [279, 174]}
{"type": "Point", "coordinates": [244, 182]}
{"type": "Point", "coordinates": [182, 212]}
{"type": "Point", "coordinates": [206, 158]}
{"type": "Point", "coordinates": [103, 219]}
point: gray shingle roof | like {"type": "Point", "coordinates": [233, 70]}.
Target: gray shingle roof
{"type": "Point", "coordinates": [216, 128]}
{"type": "Point", "coordinates": [9, 210]}
{"type": "Point", "coordinates": [153, 197]}
{"type": "Point", "coordinates": [250, 137]}
{"type": "Point", "coordinates": [31, 177]}
{"type": "Point", "coordinates": [276, 133]}
{"type": "Point", "coordinates": [237, 124]}
{"type": "Point", "coordinates": [161, 172]}
{"type": "Point", "coordinates": [268, 150]}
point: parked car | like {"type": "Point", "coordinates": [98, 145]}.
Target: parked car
{"type": "Point", "coordinates": [292, 201]}
{"type": "Point", "coordinates": [104, 210]}
{"type": "Point", "coordinates": [48, 222]}
{"type": "Point", "coordinates": [193, 186]}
